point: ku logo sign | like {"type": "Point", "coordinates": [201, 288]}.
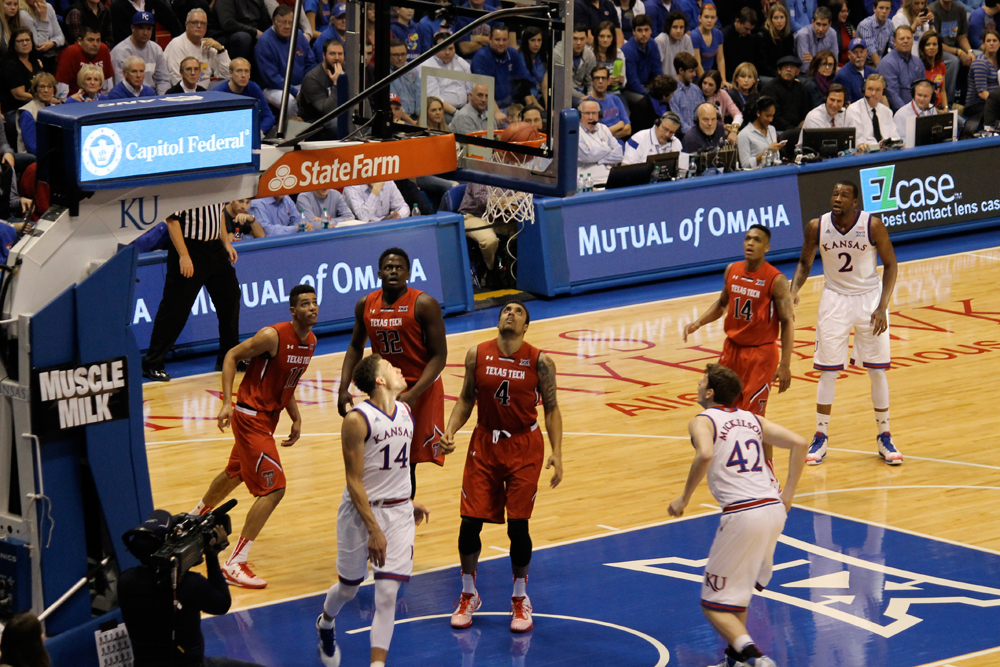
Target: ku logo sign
{"type": "Point", "coordinates": [882, 193]}
{"type": "Point", "coordinates": [102, 151]}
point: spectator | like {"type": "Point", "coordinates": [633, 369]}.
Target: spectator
{"type": "Point", "coordinates": [628, 10]}
{"type": "Point", "coordinates": [790, 96]}
{"type": "Point", "coordinates": [398, 115]}
{"type": "Point", "coordinates": [591, 13]}
{"type": "Point", "coordinates": [89, 50]}
{"type": "Point", "coordinates": [132, 85]}
{"type": "Point", "coordinates": [657, 11]}
{"type": "Point", "coordinates": [613, 112]}
{"type": "Point", "coordinates": [532, 115]}
{"type": "Point", "coordinates": [272, 58]}
{"type": "Point", "coordinates": [240, 84]}
{"type": "Point", "coordinates": [853, 75]}
{"type": "Point", "coordinates": [952, 24]}
{"type": "Point", "coordinates": [190, 69]}
{"type": "Point", "coordinates": [758, 139]}
{"type": "Point", "coordinates": [876, 31]}
{"type": "Point", "coordinates": [832, 113]}
{"type": "Point", "coordinates": [921, 105]}
{"type": "Point", "coordinates": [321, 204]}
{"type": "Point", "coordinates": [514, 113]}
{"type": "Point", "coordinates": [43, 91]}
{"type": "Point", "coordinates": [239, 222]}
{"type": "Point", "coordinates": [453, 94]}
{"type": "Point", "coordinates": [10, 20]}
{"type": "Point", "coordinates": [318, 94]}
{"type": "Point", "coordinates": [535, 61]}
{"type": "Point", "coordinates": [472, 117]}
{"type": "Point", "coordinates": [583, 62]}
{"type": "Point", "coordinates": [407, 87]}
{"type": "Point", "coordinates": [673, 40]}
{"type": "Point", "coordinates": [404, 28]}
{"type": "Point", "coordinates": [607, 53]}
{"type": "Point", "coordinates": [707, 42]}
{"type": "Point", "coordinates": [336, 30]}
{"type": "Point", "coordinates": [872, 119]}
{"type": "Point", "coordinates": [479, 37]}
{"type": "Point", "coordinates": [122, 12]}
{"type": "Point", "coordinates": [243, 23]}
{"type": "Point", "coordinates": [654, 104]}
{"type": "Point", "coordinates": [278, 215]}
{"type": "Point", "coordinates": [435, 115]}
{"type": "Point", "coordinates": [483, 233]}
{"type": "Point", "coordinates": [744, 89]}
{"type": "Point", "coordinates": [210, 53]}
{"type": "Point", "coordinates": [711, 88]}
{"type": "Point", "coordinates": [19, 67]}
{"type": "Point", "coordinates": [842, 28]}
{"type": "Point", "coordinates": [816, 37]}
{"type": "Point", "coordinates": [775, 41]}
{"type": "Point", "coordinates": [982, 75]}
{"type": "Point", "coordinates": [708, 133]}
{"type": "Point", "coordinates": [900, 69]}
{"type": "Point", "coordinates": [373, 202]}
{"type": "Point", "coordinates": [41, 19]}
{"type": "Point", "coordinates": [599, 150]}
{"type": "Point", "coordinates": [821, 72]}
{"type": "Point", "coordinates": [505, 65]}
{"type": "Point", "coordinates": [934, 68]}
{"type": "Point", "coordinates": [318, 16]}
{"type": "Point", "coordinates": [980, 20]}
{"type": "Point", "coordinates": [688, 96]}
{"type": "Point", "coordinates": [22, 643]}
{"type": "Point", "coordinates": [915, 14]}
{"type": "Point", "coordinates": [91, 81]}
{"type": "Point", "coordinates": [429, 27]}
{"type": "Point", "coordinates": [991, 114]}
{"type": "Point", "coordinates": [642, 60]}
{"type": "Point", "coordinates": [659, 139]}
{"type": "Point", "coordinates": [93, 13]}
{"type": "Point", "coordinates": [738, 42]}
{"type": "Point", "coordinates": [800, 12]}
{"type": "Point", "coordinates": [141, 44]}
{"type": "Point", "coordinates": [896, 4]}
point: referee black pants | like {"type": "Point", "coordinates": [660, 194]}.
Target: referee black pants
{"type": "Point", "coordinates": [212, 271]}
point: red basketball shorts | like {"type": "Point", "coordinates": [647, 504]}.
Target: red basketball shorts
{"type": "Point", "coordinates": [756, 367]}
{"type": "Point", "coordinates": [502, 473]}
{"type": "Point", "coordinates": [254, 458]}
{"type": "Point", "coordinates": [428, 426]}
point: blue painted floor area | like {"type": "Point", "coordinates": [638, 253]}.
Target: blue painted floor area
{"type": "Point", "coordinates": [844, 594]}
{"type": "Point", "coordinates": [627, 296]}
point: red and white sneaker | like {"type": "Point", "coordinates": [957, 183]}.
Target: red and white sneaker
{"type": "Point", "coordinates": [520, 614]}
{"type": "Point", "coordinates": [467, 605]}
{"type": "Point", "coordinates": [240, 574]}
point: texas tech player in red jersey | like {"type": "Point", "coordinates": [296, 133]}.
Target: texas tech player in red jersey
{"type": "Point", "coordinates": [405, 327]}
{"type": "Point", "coordinates": [506, 377]}
{"type": "Point", "coordinates": [755, 300]}
{"type": "Point", "coordinates": [279, 355]}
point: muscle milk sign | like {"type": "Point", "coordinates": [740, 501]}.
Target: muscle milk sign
{"type": "Point", "coordinates": [73, 396]}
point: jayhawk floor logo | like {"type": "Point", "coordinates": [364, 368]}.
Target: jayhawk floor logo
{"type": "Point", "coordinates": [102, 151]}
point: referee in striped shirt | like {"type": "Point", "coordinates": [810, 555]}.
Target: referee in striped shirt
{"type": "Point", "coordinates": [200, 255]}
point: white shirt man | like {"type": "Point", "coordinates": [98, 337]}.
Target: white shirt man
{"type": "Point", "coordinates": [919, 106]}
{"type": "Point", "coordinates": [829, 114]}
{"type": "Point", "coordinates": [454, 94]}
{"type": "Point", "coordinates": [376, 201]}
{"type": "Point", "coordinates": [193, 44]}
{"type": "Point", "coordinates": [656, 140]}
{"type": "Point", "coordinates": [860, 114]}
{"type": "Point", "coordinates": [599, 150]}
{"type": "Point", "coordinates": [142, 45]}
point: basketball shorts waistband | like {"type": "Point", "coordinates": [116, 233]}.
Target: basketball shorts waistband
{"type": "Point", "coordinates": [500, 434]}
{"type": "Point", "coordinates": [743, 505]}
{"type": "Point", "coordinates": [389, 503]}
{"type": "Point", "coordinates": [252, 412]}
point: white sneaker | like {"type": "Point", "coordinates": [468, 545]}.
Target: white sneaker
{"type": "Point", "coordinates": [329, 652]}
{"type": "Point", "coordinates": [817, 450]}
{"type": "Point", "coordinates": [240, 574]}
{"type": "Point", "coordinates": [762, 661]}
{"type": "Point", "coordinates": [887, 450]}
{"type": "Point", "coordinates": [468, 603]}
{"type": "Point", "coordinates": [520, 614]}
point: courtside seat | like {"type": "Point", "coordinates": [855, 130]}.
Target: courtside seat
{"type": "Point", "coordinates": [453, 198]}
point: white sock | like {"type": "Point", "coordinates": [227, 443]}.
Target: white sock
{"type": "Point", "coordinates": [468, 583]}
{"type": "Point", "coordinates": [385, 613]}
{"type": "Point", "coordinates": [200, 508]}
{"type": "Point", "coordinates": [882, 419]}
{"type": "Point", "coordinates": [741, 643]}
{"type": "Point", "coordinates": [241, 551]}
{"type": "Point", "coordinates": [822, 424]}
{"type": "Point", "coordinates": [338, 595]}
{"type": "Point", "coordinates": [378, 663]}
{"type": "Point", "coordinates": [519, 586]}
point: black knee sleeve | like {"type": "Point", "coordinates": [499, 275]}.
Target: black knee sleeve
{"type": "Point", "coordinates": [413, 480]}
{"type": "Point", "coordinates": [520, 542]}
{"type": "Point", "coordinates": [468, 536]}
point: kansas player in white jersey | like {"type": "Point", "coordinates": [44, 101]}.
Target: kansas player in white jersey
{"type": "Point", "coordinates": [850, 243]}
{"type": "Point", "coordinates": [729, 447]}
{"type": "Point", "coordinates": [376, 519]}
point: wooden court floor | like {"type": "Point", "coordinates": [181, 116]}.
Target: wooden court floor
{"type": "Point", "coordinates": [627, 388]}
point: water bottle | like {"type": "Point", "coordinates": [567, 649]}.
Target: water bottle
{"type": "Point", "coordinates": [415, 213]}
{"type": "Point", "coordinates": [588, 183]}
{"type": "Point", "coordinates": [579, 183]}
{"type": "Point", "coordinates": [302, 220]}
{"type": "Point", "coordinates": [326, 219]}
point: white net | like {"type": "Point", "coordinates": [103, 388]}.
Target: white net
{"type": "Point", "coordinates": [506, 206]}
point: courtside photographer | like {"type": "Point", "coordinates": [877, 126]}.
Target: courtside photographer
{"type": "Point", "coordinates": [162, 600]}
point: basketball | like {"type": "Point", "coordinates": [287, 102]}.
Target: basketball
{"type": "Point", "coordinates": [520, 131]}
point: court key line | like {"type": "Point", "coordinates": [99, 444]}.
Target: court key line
{"type": "Point", "coordinates": [921, 458]}
{"type": "Point", "coordinates": [664, 654]}
{"type": "Point", "coordinates": [893, 488]}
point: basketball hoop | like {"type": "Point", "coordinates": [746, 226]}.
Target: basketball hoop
{"type": "Point", "coordinates": [503, 205]}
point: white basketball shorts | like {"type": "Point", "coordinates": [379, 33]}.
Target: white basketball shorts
{"type": "Point", "coordinates": [397, 525]}
{"type": "Point", "coordinates": [742, 557]}
{"type": "Point", "coordinates": [838, 313]}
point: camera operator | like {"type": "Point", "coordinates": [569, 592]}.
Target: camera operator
{"type": "Point", "coordinates": [164, 634]}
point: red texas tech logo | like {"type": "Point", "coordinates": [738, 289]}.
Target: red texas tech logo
{"type": "Point", "coordinates": [714, 581]}
{"type": "Point", "coordinates": [268, 478]}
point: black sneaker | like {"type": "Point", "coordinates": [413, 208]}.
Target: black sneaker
{"type": "Point", "coordinates": [155, 375]}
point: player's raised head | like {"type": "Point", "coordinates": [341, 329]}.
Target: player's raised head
{"type": "Point", "coordinates": [757, 242]}
{"type": "Point", "coordinates": [845, 197]}
{"type": "Point", "coordinates": [367, 372]}
{"type": "Point", "coordinates": [394, 252]}
{"type": "Point", "coordinates": [759, 229]}
{"type": "Point", "coordinates": [514, 317]}
{"type": "Point", "coordinates": [723, 383]}
{"type": "Point", "coordinates": [394, 269]}
{"type": "Point", "coordinates": [303, 304]}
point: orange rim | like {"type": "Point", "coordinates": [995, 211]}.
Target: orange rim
{"type": "Point", "coordinates": [501, 154]}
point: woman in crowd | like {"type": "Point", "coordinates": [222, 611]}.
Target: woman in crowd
{"type": "Point", "coordinates": [821, 71]}
{"type": "Point", "coordinates": [435, 115]}
{"type": "Point", "coordinates": [90, 79]}
{"type": "Point", "coordinates": [707, 42]}
{"type": "Point", "coordinates": [930, 55]}
{"type": "Point", "coordinates": [628, 10]}
{"type": "Point", "coordinates": [915, 14]}
{"type": "Point", "coordinates": [982, 75]}
{"type": "Point", "coordinates": [10, 20]}
{"type": "Point", "coordinates": [20, 65]}
{"type": "Point", "coordinates": [532, 51]}
{"type": "Point", "coordinates": [774, 41]}
{"type": "Point", "coordinates": [758, 138]}
{"type": "Point", "coordinates": [43, 94]}
{"type": "Point", "coordinates": [711, 88]}
{"type": "Point", "coordinates": [607, 52]}
{"type": "Point", "coordinates": [370, 27]}
{"type": "Point", "coordinates": [842, 28]}
{"type": "Point", "coordinates": [744, 89]}
{"type": "Point", "coordinates": [40, 18]}
{"type": "Point", "coordinates": [673, 40]}
{"type": "Point", "coordinates": [22, 643]}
